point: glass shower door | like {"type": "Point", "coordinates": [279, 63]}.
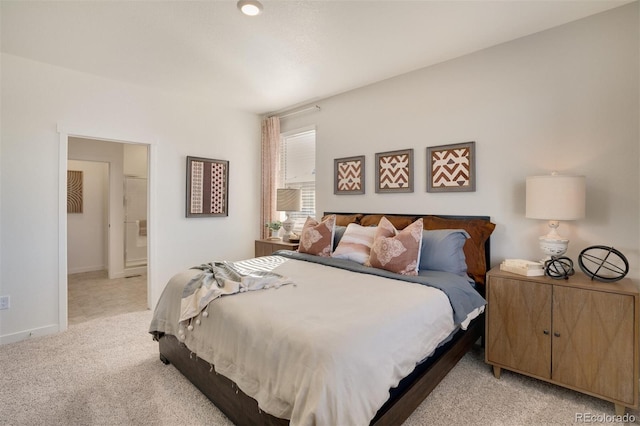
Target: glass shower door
{"type": "Point", "coordinates": [135, 222]}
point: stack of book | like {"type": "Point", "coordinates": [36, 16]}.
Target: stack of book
{"type": "Point", "coordinates": [522, 267]}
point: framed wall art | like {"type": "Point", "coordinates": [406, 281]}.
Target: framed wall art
{"type": "Point", "coordinates": [349, 175]}
{"type": "Point", "coordinates": [74, 191]}
{"type": "Point", "coordinates": [394, 171]}
{"type": "Point", "coordinates": [451, 168]}
{"type": "Point", "coordinates": [207, 187]}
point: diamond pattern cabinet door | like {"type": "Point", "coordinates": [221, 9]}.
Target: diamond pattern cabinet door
{"type": "Point", "coordinates": [519, 325]}
{"type": "Point", "coordinates": [592, 348]}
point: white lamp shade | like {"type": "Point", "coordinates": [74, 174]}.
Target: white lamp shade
{"type": "Point", "coordinates": [555, 197]}
{"type": "Point", "coordinates": [288, 200]}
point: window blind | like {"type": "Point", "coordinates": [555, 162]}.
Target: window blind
{"type": "Point", "coordinates": [297, 169]}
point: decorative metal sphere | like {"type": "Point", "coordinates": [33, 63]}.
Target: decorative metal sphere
{"type": "Point", "coordinates": [559, 268]}
{"type": "Point", "coordinates": [603, 263]}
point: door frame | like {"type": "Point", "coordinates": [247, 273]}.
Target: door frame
{"type": "Point", "coordinates": [63, 144]}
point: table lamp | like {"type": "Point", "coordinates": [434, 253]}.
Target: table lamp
{"type": "Point", "coordinates": [554, 198]}
{"type": "Point", "coordinates": [288, 200]}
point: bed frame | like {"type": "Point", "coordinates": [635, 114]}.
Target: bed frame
{"type": "Point", "coordinates": [241, 409]}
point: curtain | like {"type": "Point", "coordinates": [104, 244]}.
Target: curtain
{"type": "Point", "coordinates": [270, 146]}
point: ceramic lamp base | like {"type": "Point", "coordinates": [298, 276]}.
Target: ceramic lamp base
{"type": "Point", "coordinates": [553, 246]}
{"type": "Point", "coordinates": [287, 225]}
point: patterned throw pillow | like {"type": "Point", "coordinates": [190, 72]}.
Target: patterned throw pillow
{"type": "Point", "coordinates": [355, 243]}
{"type": "Point", "coordinates": [317, 238]}
{"type": "Point", "coordinates": [397, 251]}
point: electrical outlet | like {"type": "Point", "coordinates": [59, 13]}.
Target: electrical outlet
{"type": "Point", "coordinates": [4, 302]}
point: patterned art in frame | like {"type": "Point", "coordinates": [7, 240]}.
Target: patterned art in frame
{"type": "Point", "coordinates": [349, 175]}
{"type": "Point", "coordinates": [207, 187]}
{"type": "Point", "coordinates": [451, 168]}
{"type": "Point", "coordinates": [74, 191]}
{"type": "Point", "coordinates": [394, 171]}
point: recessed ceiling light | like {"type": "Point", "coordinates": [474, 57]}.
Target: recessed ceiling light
{"type": "Point", "coordinates": [250, 7]}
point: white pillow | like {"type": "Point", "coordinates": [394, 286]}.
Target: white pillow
{"type": "Point", "coordinates": [356, 243]}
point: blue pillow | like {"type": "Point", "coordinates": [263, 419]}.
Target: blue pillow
{"type": "Point", "coordinates": [442, 251]}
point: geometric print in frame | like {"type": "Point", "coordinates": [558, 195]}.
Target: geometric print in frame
{"type": "Point", "coordinates": [74, 191]}
{"type": "Point", "coordinates": [394, 171]}
{"type": "Point", "coordinates": [451, 168]}
{"type": "Point", "coordinates": [207, 187]}
{"type": "Point", "coordinates": [349, 175]}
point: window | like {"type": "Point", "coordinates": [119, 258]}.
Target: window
{"type": "Point", "coordinates": [297, 169]}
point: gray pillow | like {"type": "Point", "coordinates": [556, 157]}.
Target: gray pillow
{"type": "Point", "coordinates": [442, 251]}
{"type": "Point", "coordinates": [338, 232]}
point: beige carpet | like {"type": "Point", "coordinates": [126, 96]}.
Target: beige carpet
{"type": "Point", "coordinates": [107, 372]}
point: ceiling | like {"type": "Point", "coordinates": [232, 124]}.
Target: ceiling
{"type": "Point", "coordinates": [293, 53]}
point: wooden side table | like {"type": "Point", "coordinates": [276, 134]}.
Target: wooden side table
{"type": "Point", "coordinates": [576, 333]}
{"type": "Point", "coordinates": [267, 247]}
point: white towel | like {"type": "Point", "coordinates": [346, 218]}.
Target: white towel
{"type": "Point", "coordinates": [141, 234]}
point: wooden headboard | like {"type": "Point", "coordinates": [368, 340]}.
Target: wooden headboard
{"type": "Point", "coordinates": [477, 249]}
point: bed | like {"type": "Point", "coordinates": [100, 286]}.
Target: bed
{"type": "Point", "coordinates": [340, 339]}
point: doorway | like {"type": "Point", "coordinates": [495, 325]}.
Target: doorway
{"type": "Point", "coordinates": [119, 283]}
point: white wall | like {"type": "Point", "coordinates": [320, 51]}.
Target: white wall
{"type": "Point", "coordinates": [565, 99]}
{"type": "Point", "coordinates": [87, 231]}
{"type": "Point", "coordinates": [135, 160]}
{"type": "Point", "coordinates": [36, 98]}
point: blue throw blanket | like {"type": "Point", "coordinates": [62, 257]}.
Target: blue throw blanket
{"type": "Point", "coordinates": [463, 297]}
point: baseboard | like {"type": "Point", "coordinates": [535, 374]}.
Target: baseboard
{"type": "Point", "coordinates": [138, 270]}
{"type": "Point", "coordinates": [142, 261]}
{"type": "Point", "coordinates": [28, 334]}
{"type": "Point", "coordinates": [83, 269]}
{"type": "Point", "coordinates": [129, 272]}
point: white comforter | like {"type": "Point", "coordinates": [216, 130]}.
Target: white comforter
{"type": "Point", "coordinates": [324, 351]}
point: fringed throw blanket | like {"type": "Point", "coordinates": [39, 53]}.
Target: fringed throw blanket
{"type": "Point", "coordinates": [224, 278]}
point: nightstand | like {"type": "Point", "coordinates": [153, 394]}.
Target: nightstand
{"type": "Point", "coordinates": [267, 247]}
{"type": "Point", "coordinates": [576, 333]}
